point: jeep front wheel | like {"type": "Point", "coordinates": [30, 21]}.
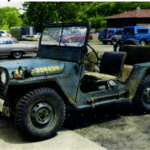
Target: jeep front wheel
{"type": "Point", "coordinates": [142, 97]}
{"type": "Point", "coordinates": [40, 113]}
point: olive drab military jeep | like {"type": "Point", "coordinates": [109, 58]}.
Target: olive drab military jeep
{"type": "Point", "coordinates": [36, 91]}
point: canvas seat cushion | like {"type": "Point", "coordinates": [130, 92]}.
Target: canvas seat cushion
{"type": "Point", "coordinates": [99, 76]}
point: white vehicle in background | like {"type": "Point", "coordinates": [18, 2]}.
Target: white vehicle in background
{"type": "Point", "coordinates": [5, 33]}
{"type": "Point", "coordinates": [10, 47]}
{"type": "Point", "coordinates": [22, 32]}
{"type": "Point", "coordinates": [75, 29]}
{"type": "Point", "coordinates": [35, 37]}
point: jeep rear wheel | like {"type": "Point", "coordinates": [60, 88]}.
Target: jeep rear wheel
{"type": "Point", "coordinates": [17, 54]}
{"type": "Point", "coordinates": [142, 97]}
{"type": "Point", "coordinates": [40, 113]}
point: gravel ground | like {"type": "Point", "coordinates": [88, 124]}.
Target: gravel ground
{"type": "Point", "coordinates": [115, 126]}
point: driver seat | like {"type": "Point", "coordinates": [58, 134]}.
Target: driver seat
{"type": "Point", "coordinates": [111, 66]}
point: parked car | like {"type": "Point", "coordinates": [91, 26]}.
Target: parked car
{"type": "Point", "coordinates": [106, 35]}
{"type": "Point", "coordinates": [74, 38]}
{"type": "Point", "coordinates": [9, 48]}
{"type": "Point", "coordinates": [35, 37]}
{"type": "Point", "coordinates": [117, 37]}
{"type": "Point", "coordinates": [140, 33]}
{"type": "Point", "coordinates": [15, 40]}
{"type": "Point", "coordinates": [5, 33]}
{"type": "Point", "coordinates": [90, 36]}
{"type": "Point", "coordinates": [62, 37]}
{"type": "Point", "coordinates": [56, 34]}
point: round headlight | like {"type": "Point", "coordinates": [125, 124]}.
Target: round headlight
{"type": "Point", "coordinates": [3, 77]}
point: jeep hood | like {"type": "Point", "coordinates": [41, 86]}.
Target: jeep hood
{"type": "Point", "coordinates": [38, 66]}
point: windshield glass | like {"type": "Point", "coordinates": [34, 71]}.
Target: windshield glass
{"type": "Point", "coordinates": [67, 36]}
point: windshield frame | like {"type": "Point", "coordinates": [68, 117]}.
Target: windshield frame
{"type": "Point", "coordinates": [63, 26]}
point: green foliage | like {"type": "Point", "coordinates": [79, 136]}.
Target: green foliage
{"type": "Point", "coordinates": [38, 13]}
{"type": "Point", "coordinates": [9, 16]}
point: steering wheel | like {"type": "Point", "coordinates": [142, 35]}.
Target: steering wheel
{"type": "Point", "coordinates": [97, 59]}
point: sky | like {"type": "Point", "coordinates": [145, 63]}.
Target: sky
{"type": "Point", "coordinates": [18, 3]}
{"type": "Point", "coordinates": [12, 3]}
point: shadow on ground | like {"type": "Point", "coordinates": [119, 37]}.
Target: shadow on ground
{"type": "Point", "coordinates": [80, 119]}
{"type": "Point", "coordinates": [115, 126]}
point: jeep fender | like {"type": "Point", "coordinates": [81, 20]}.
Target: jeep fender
{"type": "Point", "coordinates": [137, 74]}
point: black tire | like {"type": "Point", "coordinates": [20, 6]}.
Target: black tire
{"type": "Point", "coordinates": [40, 113]}
{"type": "Point", "coordinates": [143, 42]}
{"type": "Point", "coordinates": [104, 42]}
{"type": "Point", "coordinates": [17, 54]}
{"type": "Point", "coordinates": [142, 98]}
{"type": "Point", "coordinates": [131, 42]}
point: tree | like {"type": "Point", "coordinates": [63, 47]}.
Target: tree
{"type": "Point", "coordinates": [9, 16]}
{"type": "Point", "coordinates": [38, 13]}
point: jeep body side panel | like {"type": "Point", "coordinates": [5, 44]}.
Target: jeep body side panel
{"type": "Point", "coordinates": [65, 83]}
{"type": "Point", "coordinates": [126, 90]}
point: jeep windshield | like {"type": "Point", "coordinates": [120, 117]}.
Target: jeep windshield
{"type": "Point", "coordinates": [64, 36]}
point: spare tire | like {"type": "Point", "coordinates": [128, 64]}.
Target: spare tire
{"type": "Point", "coordinates": [131, 42]}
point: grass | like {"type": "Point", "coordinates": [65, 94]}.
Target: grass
{"type": "Point", "coordinates": [94, 41]}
